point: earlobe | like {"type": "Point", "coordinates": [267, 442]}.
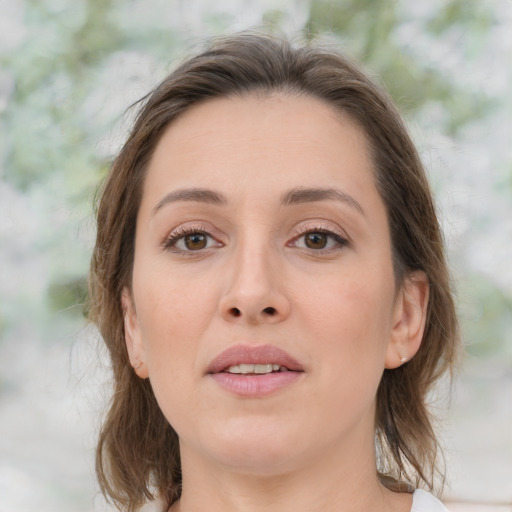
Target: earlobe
{"type": "Point", "coordinates": [409, 318]}
{"type": "Point", "coordinates": [132, 335]}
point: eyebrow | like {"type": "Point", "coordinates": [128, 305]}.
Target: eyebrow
{"type": "Point", "coordinates": [200, 195]}
{"type": "Point", "coordinates": [293, 197]}
{"type": "Point", "coordinates": [310, 195]}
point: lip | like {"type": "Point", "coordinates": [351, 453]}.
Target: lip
{"type": "Point", "coordinates": [254, 386]}
{"type": "Point", "coordinates": [259, 354]}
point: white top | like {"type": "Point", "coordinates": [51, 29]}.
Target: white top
{"type": "Point", "coordinates": [423, 501]}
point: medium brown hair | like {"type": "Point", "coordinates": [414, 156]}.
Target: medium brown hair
{"type": "Point", "coordinates": [138, 452]}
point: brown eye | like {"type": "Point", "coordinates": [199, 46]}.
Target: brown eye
{"type": "Point", "coordinates": [316, 240]}
{"type": "Point", "coordinates": [195, 241]}
{"type": "Point", "coordinates": [320, 241]}
{"type": "Point", "coordinates": [188, 240]}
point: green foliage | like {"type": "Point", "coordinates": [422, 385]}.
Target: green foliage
{"type": "Point", "coordinates": [369, 29]}
{"type": "Point", "coordinates": [274, 17]}
{"type": "Point", "coordinates": [68, 295]}
{"type": "Point", "coordinates": [470, 15]}
{"type": "Point", "coordinates": [485, 317]}
{"type": "Point", "coordinates": [51, 133]}
{"type": "Point", "coordinates": [53, 71]}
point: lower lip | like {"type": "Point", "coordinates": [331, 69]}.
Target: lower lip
{"type": "Point", "coordinates": [255, 386]}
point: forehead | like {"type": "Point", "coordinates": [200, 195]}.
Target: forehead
{"type": "Point", "coordinates": [262, 118]}
{"type": "Point", "coordinates": [257, 143]}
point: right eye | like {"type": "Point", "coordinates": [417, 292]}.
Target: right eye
{"type": "Point", "coordinates": [190, 240]}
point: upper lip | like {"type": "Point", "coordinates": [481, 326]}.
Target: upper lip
{"type": "Point", "coordinates": [259, 354]}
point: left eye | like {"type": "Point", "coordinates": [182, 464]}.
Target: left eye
{"type": "Point", "coordinates": [319, 240]}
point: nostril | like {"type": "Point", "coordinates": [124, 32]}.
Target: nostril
{"type": "Point", "coordinates": [267, 312]}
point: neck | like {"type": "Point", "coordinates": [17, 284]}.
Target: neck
{"type": "Point", "coordinates": [331, 483]}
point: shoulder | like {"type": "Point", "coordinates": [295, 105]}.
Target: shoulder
{"type": "Point", "coordinates": [423, 501]}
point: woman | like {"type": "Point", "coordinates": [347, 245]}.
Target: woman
{"type": "Point", "coordinates": [270, 281]}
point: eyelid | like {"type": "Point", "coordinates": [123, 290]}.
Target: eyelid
{"type": "Point", "coordinates": [340, 236]}
{"type": "Point", "coordinates": [322, 227]}
{"type": "Point", "coordinates": [176, 234]}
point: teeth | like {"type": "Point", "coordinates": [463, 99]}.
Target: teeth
{"type": "Point", "coordinates": [254, 368]}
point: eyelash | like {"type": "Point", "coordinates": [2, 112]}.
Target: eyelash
{"type": "Point", "coordinates": [181, 232]}
{"type": "Point", "coordinates": [339, 239]}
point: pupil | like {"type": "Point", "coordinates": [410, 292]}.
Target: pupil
{"type": "Point", "coordinates": [195, 241]}
{"type": "Point", "coordinates": [316, 240]}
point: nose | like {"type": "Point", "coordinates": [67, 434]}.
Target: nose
{"type": "Point", "coordinates": [255, 291]}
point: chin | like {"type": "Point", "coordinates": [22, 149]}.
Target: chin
{"type": "Point", "coordinates": [255, 446]}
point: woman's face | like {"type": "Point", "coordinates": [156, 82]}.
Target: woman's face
{"type": "Point", "coordinates": [264, 308]}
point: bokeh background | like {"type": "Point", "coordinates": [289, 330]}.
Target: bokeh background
{"type": "Point", "coordinates": [68, 71]}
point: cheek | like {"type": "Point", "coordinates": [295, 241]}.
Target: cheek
{"type": "Point", "coordinates": [351, 305]}
{"type": "Point", "coordinates": [344, 325]}
{"type": "Point", "coordinates": [349, 320]}
{"type": "Point", "coordinates": [173, 314]}
{"type": "Point", "coordinates": [172, 325]}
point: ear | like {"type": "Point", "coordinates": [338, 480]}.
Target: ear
{"type": "Point", "coordinates": [409, 315]}
{"type": "Point", "coordinates": [132, 335]}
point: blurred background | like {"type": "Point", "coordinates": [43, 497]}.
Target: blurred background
{"type": "Point", "coordinates": [69, 70]}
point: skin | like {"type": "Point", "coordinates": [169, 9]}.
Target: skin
{"type": "Point", "coordinates": [259, 280]}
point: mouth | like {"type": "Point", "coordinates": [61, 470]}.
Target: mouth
{"type": "Point", "coordinates": [254, 360]}
{"type": "Point", "coordinates": [254, 371]}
